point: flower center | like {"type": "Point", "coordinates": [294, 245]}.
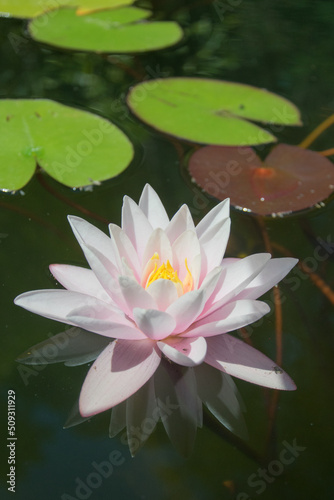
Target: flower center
{"type": "Point", "coordinates": [167, 272]}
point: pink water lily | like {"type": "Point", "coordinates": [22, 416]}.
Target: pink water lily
{"type": "Point", "coordinates": [161, 289]}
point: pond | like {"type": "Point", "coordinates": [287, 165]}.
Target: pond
{"type": "Point", "coordinates": [284, 47]}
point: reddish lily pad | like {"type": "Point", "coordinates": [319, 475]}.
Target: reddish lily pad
{"type": "Point", "coordinates": [290, 179]}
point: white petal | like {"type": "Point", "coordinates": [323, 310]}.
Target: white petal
{"type": "Point", "coordinates": [186, 309]}
{"type": "Point", "coordinates": [104, 323]}
{"type": "Point", "coordinates": [121, 369]}
{"type": "Point", "coordinates": [106, 273]}
{"type": "Point", "coordinates": [135, 295]}
{"type": "Point", "coordinates": [184, 351]}
{"type": "Point", "coordinates": [91, 236]}
{"type": "Point", "coordinates": [233, 356]}
{"type": "Point", "coordinates": [181, 222]}
{"type": "Point", "coordinates": [136, 225]}
{"type": "Point", "coordinates": [125, 248]}
{"type": "Point", "coordinates": [195, 267]}
{"type": "Point", "coordinates": [152, 207]}
{"type": "Point", "coordinates": [164, 293]}
{"type": "Point", "coordinates": [185, 247]}
{"type": "Point", "coordinates": [158, 243]}
{"type": "Point", "coordinates": [213, 244]}
{"type": "Point", "coordinates": [271, 274]}
{"type": "Point", "coordinates": [210, 281]}
{"type": "Point", "coordinates": [228, 318]}
{"type": "Point", "coordinates": [155, 324]}
{"type": "Point", "coordinates": [217, 214]}
{"type": "Point", "coordinates": [79, 279]}
{"type": "Point", "coordinates": [235, 277]}
{"type": "Point", "coordinates": [57, 304]}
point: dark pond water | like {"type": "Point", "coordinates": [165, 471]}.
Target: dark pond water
{"type": "Point", "coordinates": [286, 47]}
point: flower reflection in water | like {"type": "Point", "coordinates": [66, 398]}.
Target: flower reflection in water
{"type": "Point", "coordinates": [154, 311]}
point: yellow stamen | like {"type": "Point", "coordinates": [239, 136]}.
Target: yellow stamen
{"type": "Point", "coordinates": [188, 281]}
{"type": "Point", "coordinates": [167, 272]}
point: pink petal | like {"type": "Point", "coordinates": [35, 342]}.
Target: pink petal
{"type": "Point", "coordinates": [210, 281]}
{"type": "Point", "coordinates": [231, 355]}
{"type": "Point", "coordinates": [163, 292]}
{"type": "Point", "coordinates": [271, 274]}
{"type": "Point", "coordinates": [120, 370]}
{"type": "Point", "coordinates": [235, 277]}
{"type": "Point", "coordinates": [186, 309]}
{"type": "Point", "coordinates": [217, 214]}
{"type": "Point", "coordinates": [185, 352]}
{"type": "Point", "coordinates": [125, 248]}
{"type": "Point", "coordinates": [185, 247]}
{"type": "Point", "coordinates": [57, 304]}
{"type": "Point", "coordinates": [195, 268]}
{"type": "Point", "coordinates": [90, 236]}
{"type": "Point", "coordinates": [228, 318]}
{"type": "Point", "coordinates": [158, 243]}
{"type": "Point", "coordinates": [104, 322]}
{"type": "Point", "coordinates": [181, 222]}
{"type": "Point", "coordinates": [213, 244]}
{"type": "Point", "coordinates": [155, 324]}
{"type": "Point", "coordinates": [106, 273]}
{"type": "Point", "coordinates": [79, 279]}
{"type": "Point", "coordinates": [152, 207]}
{"type": "Point", "coordinates": [135, 295]}
{"type": "Point", "coordinates": [136, 225]}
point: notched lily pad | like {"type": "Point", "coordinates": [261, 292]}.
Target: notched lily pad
{"type": "Point", "coordinates": [290, 179]}
{"type": "Point", "coordinates": [75, 147]}
{"type": "Point", "coordinates": [210, 111]}
{"type": "Point", "coordinates": [118, 30]}
{"type": "Point", "coordinates": [34, 8]}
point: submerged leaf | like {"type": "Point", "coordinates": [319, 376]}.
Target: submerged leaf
{"type": "Point", "coordinates": [74, 147]}
{"type": "Point", "coordinates": [73, 347]}
{"type": "Point", "coordinates": [220, 394]}
{"type": "Point", "coordinates": [141, 413]}
{"type": "Point", "coordinates": [117, 30]}
{"type": "Point", "coordinates": [290, 179]}
{"type": "Point", "coordinates": [34, 8]}
{"type": "Point", "coordinates": [210, 111]}
{"type": "Point", "coordinates": [175, 389]}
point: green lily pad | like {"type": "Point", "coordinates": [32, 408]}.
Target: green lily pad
{"type": "Point", "coordinates": [74, 147]}
{"type": "Point", "coordinates": [34, 8]}
{"type": "Point", "coordinates": [210, 111]}
{"type": "Point", "coordinates": [117, 30]}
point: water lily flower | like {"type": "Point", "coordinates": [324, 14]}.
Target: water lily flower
{"type": "Point", "coordinates": [162, 298]}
